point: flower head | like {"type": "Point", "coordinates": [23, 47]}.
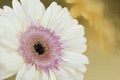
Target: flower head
{"type": "Point", "coordinates": [38, 43]}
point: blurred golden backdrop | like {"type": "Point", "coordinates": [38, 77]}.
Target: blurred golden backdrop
{"type": "Point", "coordinates": [101, 19]}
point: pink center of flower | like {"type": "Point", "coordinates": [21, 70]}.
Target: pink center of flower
{"type": "Point", "coordinates": [42, 47]}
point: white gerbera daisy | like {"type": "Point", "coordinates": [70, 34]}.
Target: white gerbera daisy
{"type": "Point", "coordinates": [40, 44]}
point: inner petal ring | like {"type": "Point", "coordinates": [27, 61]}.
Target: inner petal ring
{"type": "Point", "coordinates": [41, 46]}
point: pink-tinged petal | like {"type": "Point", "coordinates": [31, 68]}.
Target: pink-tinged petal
{"type": "Point", "coordinates": [42, 47]}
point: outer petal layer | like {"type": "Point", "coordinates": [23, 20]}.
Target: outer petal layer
{"type": "Point", "coordinates": [9, 63]}
{"type": "Point", "coordinates": [33, 8]}
{"type": "Point", "coordinates": [29, 74]}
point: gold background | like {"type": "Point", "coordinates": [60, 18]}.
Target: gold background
{"type": "Point", "coordinates": [103, 65]}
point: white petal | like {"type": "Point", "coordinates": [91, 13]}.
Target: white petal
{"type": "Point", "coordinates": [25, 4]}
{"type": "Point", "coordinates": [1, 12]}
{"type": "Point", "coordinates": [74, 73]}
{"type": "Point", "coordinates": [73, 37]}
{"type": "Point", "coordinates": [6, 74]}
{"type": "Point", "coordinates": [1, 30]}
{"type": "Point", "coordinates": [79, 69]}
{"type": "Point", "coordinates": [8, 20]}
{"type": "Point", "coordinates": [52, 75]}
{"type": "Point", "coordinates": [2, 51]}
{"type": "Point", "coordinates": [30, 74]}
{"type": "Point", "coordinates": [61, 20]}
{"type": "Point", "coordinates": [21, 73]}
{"type": "Point", "coordinates": [82, 69]}
{"type": "Point", "coordinates": [50, 14]}
{"type": "Point", "coordinates": [10, 64]}
{"type": "Point", "coordinates": [55, 10]}
{"type": "Point", "coordinates": [45, 76]}
{"type": "Point", "coordinates": [70, 70]}
{"type": "Point", "coordinates": [7, 25]}
{"type": "Point", "coordinates": [77, 44]}
{"type": "Point", "coordinates": [8, 9]}
{"type": "Point", "coordinates": [76, 57]}
{"type": "Point", "coordinates": [20, 13]}
{"type": "Point", "coordinates": [5, 50]}
{"type": "Point", "coordinates": [73, 32]}
{"type": "Point", "coordinates": [8, 43]}
{"type": "Point", "coordinates": [63, 75]}
{"type": "Point", "coordinates": [38, 75]}
{"type": "Point", "coordinates": [33, 8]}
{"type": "Point", "coordinates": [9, 14]}
{"type": "Point", "coordinates": [47, 15]}
{"type": "Point", "coordinates": [79, 77]}
{"type": "Point", "coordinates": [10, 37]}
{"type": "Point", "coordinates": [11, 61]}
{"type": "Point", "coordinates": [76, 61]}
{"type": "Point", "coordinates": [56, 18]}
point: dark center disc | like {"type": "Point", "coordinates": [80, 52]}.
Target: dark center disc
{"type": "Point", "coordinates": [39, 48]}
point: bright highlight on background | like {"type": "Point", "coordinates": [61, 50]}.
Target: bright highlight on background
{"type": "Point", "coordinates": [101, 19]}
